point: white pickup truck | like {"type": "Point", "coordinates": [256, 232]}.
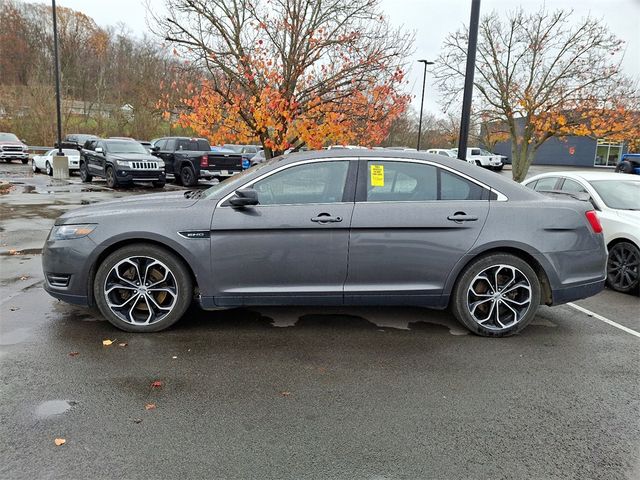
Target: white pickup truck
{"type": "Point", "coordinates": [483, 158]}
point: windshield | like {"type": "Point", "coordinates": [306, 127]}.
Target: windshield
{"type": "Point", "coordinates": [69, 152]}
{"type": "Point", "coordinates": [124, 146]}
{"type": "Point", "coordinates": [239, 179]}
{"type": "Point", "coordinates": [234, 148]}
{"type": "Point", "coordinates": [9, 137]}
{"type": "Point", "coordinates": [485, 152]}
{"type": "Point", "coordinates": [619, 194]}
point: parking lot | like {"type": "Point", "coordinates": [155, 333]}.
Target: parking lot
{"type": "Point", "coordinates": [297, 393]}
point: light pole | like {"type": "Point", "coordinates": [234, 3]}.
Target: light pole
{"type": "Point", "coordinates": [468, 79]}
{"type": "Point", "coordinates": [424, 80]}
{"type": "Point", "coordinates": [56, 68]}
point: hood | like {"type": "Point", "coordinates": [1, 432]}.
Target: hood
{"type": "Point", "coordinates": [11, 144]}
{"type": "Point", "coordinates": [139, 157]}
{"type": "Point", "coordinates": [130, 206]}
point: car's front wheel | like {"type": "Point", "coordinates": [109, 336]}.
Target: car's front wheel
{"type": "Point", "coordinates": [48, 169]}
{"type": "Point", "coordinates": [142, 288]}
{"type": "Point", "coordinates": [496, 295]}
{"type": "Point", "coordinates": [623, 267]}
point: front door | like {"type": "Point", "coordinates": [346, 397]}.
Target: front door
{"type": "Point", "coordinates": [412, 222]}
{"type": "Point", "coordinates": [292, 247]}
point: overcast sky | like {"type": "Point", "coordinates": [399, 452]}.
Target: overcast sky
{"type": "Point", "coordinates": [431, 20]}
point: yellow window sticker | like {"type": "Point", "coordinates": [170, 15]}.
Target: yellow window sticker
{"type": "Point", "coordinates": [377, 175]}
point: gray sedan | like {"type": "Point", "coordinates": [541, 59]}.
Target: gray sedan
{"type": "Point", "coordinates": [336, 227]}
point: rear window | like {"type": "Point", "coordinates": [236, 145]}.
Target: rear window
{"type": "Point", "coordinates": [194, 145]}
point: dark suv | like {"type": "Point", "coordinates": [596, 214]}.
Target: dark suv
{"type": "Point", "coordinates": [120, 162]}
{"type": "Point", "coordinates": [189, 159]}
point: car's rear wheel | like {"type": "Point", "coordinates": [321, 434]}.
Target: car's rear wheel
{"type": "Point", "coordinates": [142, 288]}
{"type": "Point", "coordinates": [48, 169]}
{"type": "Point", "coordinates": [188, 177]}
{"type": "Point", "coordinates": [84, 173]}
{"type": "Point", "coordinates": [159, 183]}
{"type": "Point", "coordinates": [624, 167]}
{"type": "Point", "coordinates": [25, 161]}
{"type": "Point", "coordinates": [496, 295]}
{"type": "Point", "coordinates": [623, 267]}
{"type": "Point", "coordinates": [110, 176]}
{"type": "Point", "coordinates": [33, 166]}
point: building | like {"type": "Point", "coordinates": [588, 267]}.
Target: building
{"type": "Point", "coordinates": [573, 151]}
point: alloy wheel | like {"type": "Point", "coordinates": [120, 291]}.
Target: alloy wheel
{"type": "Point", "coordinates": [141, 290]}
{"type": "Point", "coordinates": [499, 297]}
{"type": "Point", "coordinates": [48, 169]}
{"type": "Point", "coordinates": [623, 267]}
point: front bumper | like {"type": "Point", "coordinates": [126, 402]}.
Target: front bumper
{"type": "Point", "coordinates": [66, 269]}
{"type": "Point", "coordinates": [13, 155]}
{"type": "Point", "coordinates": [124, 175]}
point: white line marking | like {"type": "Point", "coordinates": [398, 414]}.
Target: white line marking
{"type": "Point", "coordinates": [604, 319]}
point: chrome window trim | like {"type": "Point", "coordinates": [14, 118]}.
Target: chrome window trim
{"type": "Point", "coordinates": [501, 196]}
{"type": "Point", "coordinates": [279, 169]}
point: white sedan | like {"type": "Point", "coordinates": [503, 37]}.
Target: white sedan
{"type": "Point", "coordinates": [45, 162]}
{"type": "Point", "coordinates": [616, 197]}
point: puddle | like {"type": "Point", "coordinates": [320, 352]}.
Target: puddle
{"type": "Point", "coordinates": [53, 407]}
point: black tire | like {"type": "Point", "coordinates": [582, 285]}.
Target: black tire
{"type": "Point", "coordinates": [478, 163]}
{"type": "Point", "coordinates": [188, 176]}
{"type": "Point", "coordinates": [159, 184]}
{"type": "Point", "coordinates": [624, 167]}
{"type": "Point", "coordinates": [462, 299]}
{"type": "Point", "coordinates": [33, 167]}
{"type": "Point", "coordinates": [84, 173]}
{"type": "Point", "coordinates": [181, 280]}
{"type": "Point", "coordinates": [25, 161]}
{"type": "Point", "coordinates": [110, 177]}
{"type": "Point", "coordinates": [623, 267]}
{"type": "Point", "coordinates": [47, 168]}
{"type": "Point", "coordinates": [498, 169]}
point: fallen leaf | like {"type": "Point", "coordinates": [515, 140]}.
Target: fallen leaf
{"type": "Point", "coordinates": [285, 394]}
{"type": "Point", "coordinates": [107, 342]}
{"type": "Point", "coordinates": [74, 354]}
{"type": "Point", "coordinates": [59, 441]}
{"type": "Point", "coordinates": [24, 277]}
{"type": "Point", "coordinates": [14, 252]}
{"type": "Point", "coordinates": [156, 384]}
{"type": "Point", "coordinates": [150, 406]}
{"type": "Point", "coordinates": [137, 420]}
{"type": "Point", "coordinates": [123, 344]}
{"type": "Point", "coordinates": [174, 357]}
{"type": "Point", "coordinates": [13, 309]}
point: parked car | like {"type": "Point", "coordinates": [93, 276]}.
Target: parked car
{"type": "Point", "coordinates": [445, 152]}
{"type": "Point", "coordinates": [629, 163]}
{"type": "Point", "coordinates": [482, 158]}
{"type": "Point", "coordinates": [120, 163]}
{"type": "Point", "coordinates": [45, 162]}
{"type": "Point", "coordinates": [617, 200]}
{"type": "Point", "coordinates": [189, 159]}
{"type": "Point", "coordinates": [247, 152]}
{"type": "Point", "coordinates": [76, 140]}
{"type": "Point", "coordinates": [12, 148]}
{"type": "Point", "coordinates": [345, 227]}
{"type": "Point", "coordinates": [147, 145]}
{"type": "Point", "coordinates": [257, 158]}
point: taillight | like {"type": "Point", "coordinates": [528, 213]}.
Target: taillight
{"type": "Point", "coordinates": [594, 221]}
{"type": "Point", "coordinates": [204, 161]}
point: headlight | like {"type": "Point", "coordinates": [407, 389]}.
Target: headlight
{"type": "Point", "coordinates": [123, 163]}
{"type": "Point", "coordinates": [69, 232]}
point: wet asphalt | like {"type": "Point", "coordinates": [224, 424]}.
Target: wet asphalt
{"type": "Point", "coordinates": [300, 393]}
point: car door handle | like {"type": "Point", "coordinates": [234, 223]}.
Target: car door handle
{"type": "Point", "coordinates": [462, 217]}
{"type": "Point", "coordinates": [326, 218]}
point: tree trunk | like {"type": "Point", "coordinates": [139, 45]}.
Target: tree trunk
{"type": "Point", "coordinates": [521, 158]}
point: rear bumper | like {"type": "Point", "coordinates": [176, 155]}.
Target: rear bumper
{"type": "Point", "coordinates": [218, 173]}
{"type": "Point", "coordinates": [576, 292]}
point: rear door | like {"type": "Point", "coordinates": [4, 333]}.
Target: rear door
{"type": "Point", "coordinates": [412, 222]}
{"type": "Point", "coordinates": [292, 247]}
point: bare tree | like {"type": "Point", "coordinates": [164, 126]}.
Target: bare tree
{"type": "Point", "coordinates": [541, 74]}
{"type": "Point", "coordinates": [287, 60]}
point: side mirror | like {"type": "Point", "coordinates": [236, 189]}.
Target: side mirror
{"type": "Point", "coordinates": [24, 141]}
{"type": "Point", "coordinates": [244, 198]}
{"type": "Point", "coordinates": [98, 150]}
{"type": "Point", "coordinates": [155, 149]}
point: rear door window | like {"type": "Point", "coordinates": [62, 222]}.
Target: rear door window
{"type": "Point", "coordinates": [572, 186]}
{"type": "Point", "coordinates": [546, 184]}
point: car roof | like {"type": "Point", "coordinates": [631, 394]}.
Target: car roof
{"type": "Point", "coordinates": [588, 175]}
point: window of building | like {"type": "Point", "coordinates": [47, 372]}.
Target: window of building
{"type": "Point", "coordinates": [608, 153]}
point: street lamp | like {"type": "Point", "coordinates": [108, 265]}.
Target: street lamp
{"type": "Point", "coordinates": [56, 68]}
{"type": "Point", "coordinates": [424, 80]}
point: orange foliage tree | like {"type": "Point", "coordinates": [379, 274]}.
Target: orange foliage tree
{"type": "Point", "coordinates": [541, 75]}
{"type": "Point", "coordinates": [287, 73]}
